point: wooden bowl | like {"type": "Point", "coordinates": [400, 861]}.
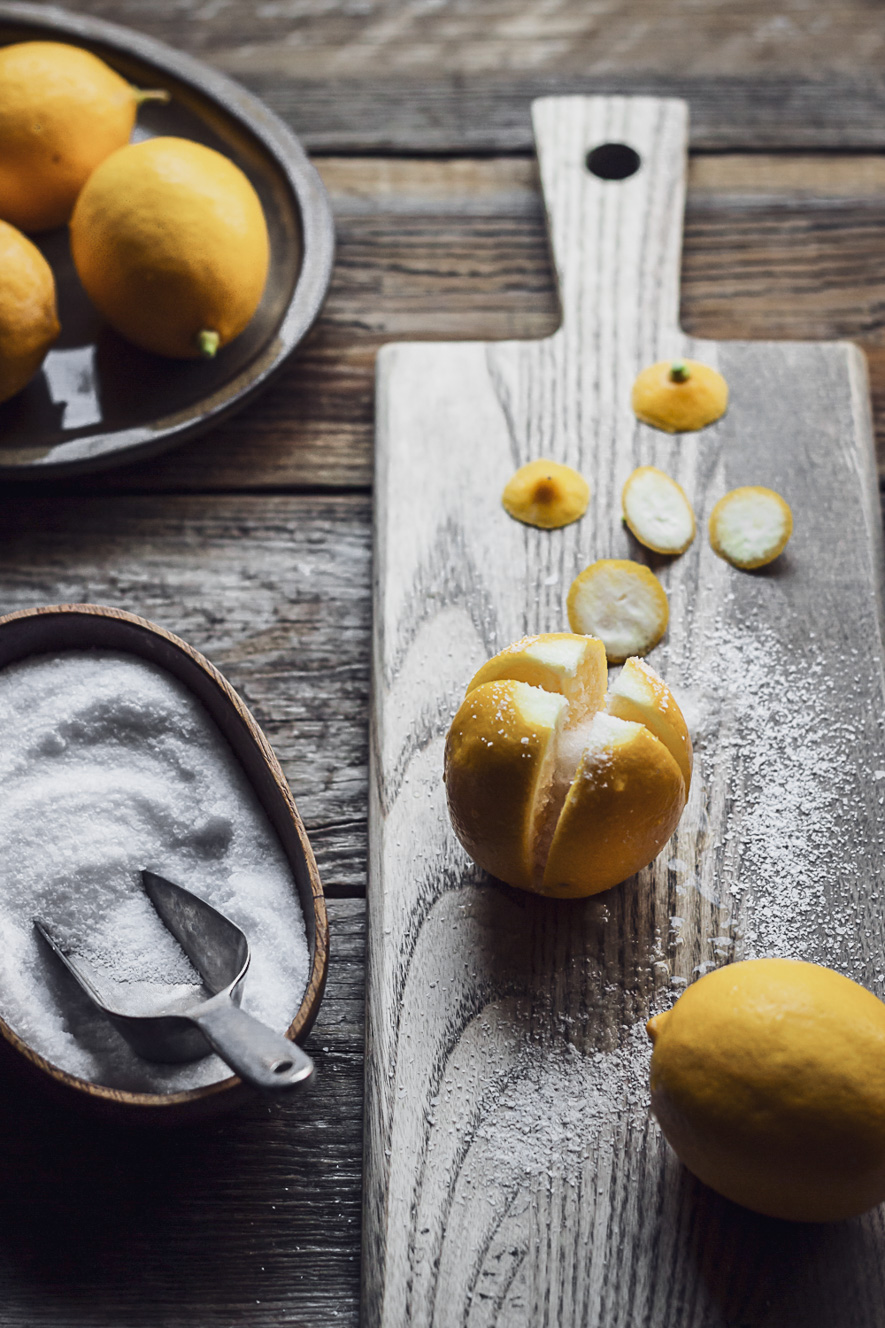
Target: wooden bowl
{"type": "Point", "coordinates": [99, 401]}
{"type": "Point", "coordinates": [87, 627]}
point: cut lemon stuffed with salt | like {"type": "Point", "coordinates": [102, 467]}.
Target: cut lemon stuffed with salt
{"type": "Point", "coordinates": [679, 396]}
{"type": "Point", "coordinates": [768, 1080]}
{"type": "Point", "coordinates": [657, 512]}
{"type": "Point", "coordinates": [621, 602]}
{"type": "Point", "coordinates": [750, 527]}
{"type": "Point", "coordinates": [555, 785]}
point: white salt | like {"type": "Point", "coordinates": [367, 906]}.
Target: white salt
{"type": "Point", "coordinates": [109, 766]}
{"type": "Point", "coordinates": [787, 737]}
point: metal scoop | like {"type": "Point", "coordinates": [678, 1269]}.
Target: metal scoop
{"type": "Point", "coordinates": [219, 951]}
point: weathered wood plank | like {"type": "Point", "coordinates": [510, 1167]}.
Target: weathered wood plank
{"type": "Point", "coordinates": [513, 1175]}
{"type": "Point", "coordinates": [775, 246]}
{"type": "Point", "coordinates": [458, 77]}
{"type": "Point", "coordinates": [253, 1219]}
{"type": "Point", "coordinates": [275, 590]}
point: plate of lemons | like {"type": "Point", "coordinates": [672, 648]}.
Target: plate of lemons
{"type": "Point", "coordinates": [165, 244]}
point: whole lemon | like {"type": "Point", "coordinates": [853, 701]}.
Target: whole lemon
{"type": "Point", "coordinates": [171, 245]}
{"type": "Point", "coordinates": [62, 111]}
{"type": "Point", "coordinates": [28, 318]}
{"type": "Point", "coordinates": [768, 1079]}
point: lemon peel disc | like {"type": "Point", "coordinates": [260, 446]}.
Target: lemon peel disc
{"type": "Point", "coordinates": [750, 526]}
{"type": "Point", "coordinates": [622, 603]}
{"type": "Point", "coordinates": [546, 494]}
{"type": "Point", "coordinates": [657, 511]}
{"type": "Point", "coordinates": [681, 405]}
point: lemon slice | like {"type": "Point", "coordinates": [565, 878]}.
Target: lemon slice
{"type": "Point", "coordinates": [679, 396]}
{"type": "Point", "coordinates": [657, 511]}
{"type": "Point", "coordinates": [546, 494]}
{"type": "Point", "coordinates": [750, 526]}
{"type": "Point", "coordinates": [622, 603]}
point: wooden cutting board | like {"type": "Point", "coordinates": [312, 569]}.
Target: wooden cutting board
{"type": "Point", "coordinates": [514, 1176]}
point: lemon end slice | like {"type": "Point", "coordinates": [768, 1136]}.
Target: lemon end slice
{"type": "Point", "coordinates": [680, 404]}
{"type": "Point", "coordinates": [546, 494]}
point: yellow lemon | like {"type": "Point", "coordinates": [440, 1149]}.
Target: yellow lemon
{"type": "Point", "coordinates": [171, 245]}
{"type": "Point", "coordinates": [28, 318]}
{"type": "Point", "coordinates": [768, 1079]}
{"type": "Point", "coordinates": [555, 786]}
{"type": "Point", "coordinates": [679, 396]}
{"type": "Point", "coordinates": [62, 111]}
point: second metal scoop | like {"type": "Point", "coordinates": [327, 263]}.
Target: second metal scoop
{"type": "Point", "coordinates": [219, 951]}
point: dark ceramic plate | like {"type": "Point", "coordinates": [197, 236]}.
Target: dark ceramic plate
{"type": "Point", "coordinates": [98, 401]}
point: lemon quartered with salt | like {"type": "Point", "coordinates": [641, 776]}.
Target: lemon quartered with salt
{"type": "Point", "coordinates": [556, 786]}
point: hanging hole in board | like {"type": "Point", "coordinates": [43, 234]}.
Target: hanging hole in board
{"type": "Point", "coordinates": [613, 161]}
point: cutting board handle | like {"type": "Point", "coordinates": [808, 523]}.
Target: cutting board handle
{"type": "Point", "coordinates": [616, 242]}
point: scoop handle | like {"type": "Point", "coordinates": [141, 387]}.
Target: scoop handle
{"type": "Point", "coordinates": [264, 1059]}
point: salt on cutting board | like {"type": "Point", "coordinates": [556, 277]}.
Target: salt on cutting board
{"type": "Point", "coordinates": [110, 765]}
{"type": "Point", "coordinates": [513, 1173]}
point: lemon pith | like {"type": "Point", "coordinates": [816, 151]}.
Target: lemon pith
{"type": "Point", "coordinates": [750, 526]}
{"type": "Point", "coordinates": [657, 511]}
{"type": "Point", "coordinates": [548, 788]}
{"type": "Point", "coordinates": [622, 603]}
{"type": "Point", "coordinates": [768, 1080]}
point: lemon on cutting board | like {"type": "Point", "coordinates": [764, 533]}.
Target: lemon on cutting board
{"type": "Point", "coordinates": [28, 318]}
{"type": "Point", "coordinates": [170, 242]}
{"type": "Point", "coordinates": [62, 111]}
{"type": "Point", "coordinates": [555, 785]}
{"type": "Point", "coordinates": [768, 1080]}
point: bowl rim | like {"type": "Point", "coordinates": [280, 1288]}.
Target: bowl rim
{"type": "Point", "coordinates": [104, 449]}
{"type": "Point", "coordinates": [229, 1091]}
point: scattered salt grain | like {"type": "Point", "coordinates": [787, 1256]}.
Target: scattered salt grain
{"type": "Point", "coordinates": [109, 765]}
{"type": "Point", "coordinates": [794, 850]}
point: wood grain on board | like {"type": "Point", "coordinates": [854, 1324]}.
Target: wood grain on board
{"type": "Point", "coordinates": [785, 246]}
{"type": "Point", "coordinates": [459, 77]}
{"type": "Point", "coordinates": [233, 1221]}
{"type": "Point", "coordinates": [513, 1174]}
{"type": "Point", "coordinates": [274, 590]}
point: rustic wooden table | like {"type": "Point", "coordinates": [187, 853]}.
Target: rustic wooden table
{"type": "Point", "coordinates": [254, 542]}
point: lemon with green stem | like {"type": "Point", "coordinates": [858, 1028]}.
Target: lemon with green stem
{"type": "Point", "coordinates": [170, 242]}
